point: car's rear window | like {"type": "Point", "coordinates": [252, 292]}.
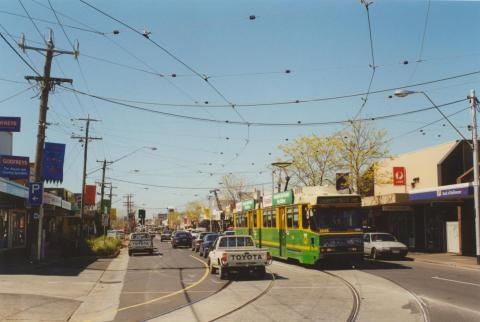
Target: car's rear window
{"type": "Point", "coordinates": [234, 241]}
{"type": "Point", "coordinates": [182, 235]}
{"type": "Point", "coordinates": [211, 237]}
{"type": "Point", "coordinates": [140, 236]}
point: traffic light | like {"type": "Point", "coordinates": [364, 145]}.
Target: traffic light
{"type": "Point", "coordinates": [141, 216]}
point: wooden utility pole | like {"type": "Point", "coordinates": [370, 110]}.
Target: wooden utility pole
{"type": "Point", "coordinates": [46, 84]}
{"type": "Point", "coordinates": [102, 192]}
{"type": "Point", "coordinates": [85, 139]}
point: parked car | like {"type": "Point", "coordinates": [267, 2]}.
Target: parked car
{"type": "Point", "coordinates": [207, 243]}
{"type": "Point", "coordinates": [140, 243]}
{"type": "Point", "coordinates": [198, 241]}
{"type": "Point", "coordinates": [237, 253]}
{"type": "Point", "coordinates": [166, 235]}
{"type": "Point", "coordinates": [181, 238]}
{"type": "Point", "coordinates": [377, 244]}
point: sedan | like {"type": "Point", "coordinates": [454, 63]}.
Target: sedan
{"type": "Point", "coordinates": [377, 245]}
{"type": "Point", "coordinates": [207, 244]}
{"type": "Point", "coordinates": [181, 238]}
{"type": "Point", "coordinates": [198, 241]}
{"type": "Point", "coordinates": [166, 235]}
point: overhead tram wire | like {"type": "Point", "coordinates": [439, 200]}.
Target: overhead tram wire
{"type": "Point", "coordinates": [169, 53]}
{"type": "Point", "coordinates": [302, 101]}
{"type": "Point", "coordinates": [422, 44]}
{"type": "Point", "coordinates": [178, 187]}
{"type": "Point", "coordinates": [367, 4]}
{"type": "Point", "coordinates": [248, 124]}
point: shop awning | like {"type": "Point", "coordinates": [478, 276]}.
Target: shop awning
{"type": "Point", "coordinates": [453, 191]}
{"type": "Point", "coordinates": [13, 188]}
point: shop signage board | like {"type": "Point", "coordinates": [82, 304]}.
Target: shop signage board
{"type": "Point", "coordinates": [14, 167]}
{"type": "Point", "coordinates": [9, 124]}
{"type": "Point", "coordinates": [248, 205]}
{"type": "Point", "coordinates": [90, 194]}
{"type": "Point", "coordinates": [283, 198]}
{"type": "Point", "coordinates": [399, 176]}
{"type": "Point", "coordinates": [35, 193]}
{"type": "Point", "coordinates": [461, 190]}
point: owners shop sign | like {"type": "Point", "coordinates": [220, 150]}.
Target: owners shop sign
{"type": "Point", "coordinates": [14, 167]}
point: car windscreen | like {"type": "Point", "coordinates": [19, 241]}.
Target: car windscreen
{"type": "Point", "coordinates": [383, 237]}
{"type": "Point", "coordinates": [140, 236]}
{"type": "Point", "coordinates": [211, 237]}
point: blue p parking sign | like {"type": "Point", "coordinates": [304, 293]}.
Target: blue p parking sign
{"type": "Point", "coordinates": [35, 193]}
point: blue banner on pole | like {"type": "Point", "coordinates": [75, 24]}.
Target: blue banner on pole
{"type": "Point", "coordinates": [9, 124]}
{"type": "Point", "coordinates": [53, 157]}
{"type": "Point", "coordinates": [13, 167]}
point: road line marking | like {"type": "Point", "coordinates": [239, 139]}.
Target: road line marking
{"type": "Point", "coordinates": [173, 293]}
{"type": "Point", "coordinates": [455, 281]}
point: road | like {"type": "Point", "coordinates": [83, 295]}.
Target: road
{"type": "Point", "coordinates": [450, 293]}
{"type": "Point", "coordinates": [165, 281]}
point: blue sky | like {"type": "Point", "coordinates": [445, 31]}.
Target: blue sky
{"type": "Point", "coordinates": [325, 45]}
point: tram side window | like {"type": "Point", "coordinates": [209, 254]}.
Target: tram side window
{"type": "Point", "coordinates": [265, 218]}
{"type": "Point", "coordinates": [254, 219]}
{"type": "Point", "coordinates": [304, 217]}
{"type": "Point", "coordinates": [295, 217]}
{"type": "Point", "coordinates": [274, 218]}
{"type": "Point", "coordinates": [290, 217]}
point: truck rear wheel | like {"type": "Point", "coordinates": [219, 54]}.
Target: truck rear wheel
{"type": "Point", "coordinates": [222, 272]}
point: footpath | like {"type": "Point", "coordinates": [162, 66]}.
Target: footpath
{"type": "Point", "coordinates": [303, 294]}
{"type": "Point", "coordinates": [447, 259]}
{"type": "Point", "coordinates": [74, 289]}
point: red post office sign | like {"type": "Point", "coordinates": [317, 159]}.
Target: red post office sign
{"type": "Point", "coordinates": [399, 176]}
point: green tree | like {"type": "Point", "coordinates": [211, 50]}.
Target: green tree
{"type": "Point", "coordinates": [193, 210]}
{"type": "Point", "coordinates": [314, 159]}
{"type": "Point", "coordinates": [362, 146]}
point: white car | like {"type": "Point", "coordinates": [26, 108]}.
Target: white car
{"type": "Point", "coordinates": [377, 245]}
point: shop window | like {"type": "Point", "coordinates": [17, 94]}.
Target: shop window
{"type": "Point", "coordinates": [18, 230]}
{"type": "Point", "coordinates": [3, 230]}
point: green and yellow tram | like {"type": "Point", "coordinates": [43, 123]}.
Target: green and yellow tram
{"type": "Point", "coordinates": [308, 224]}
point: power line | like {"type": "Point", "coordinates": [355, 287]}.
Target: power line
{"type": "Point", "coordinates": [18, 54]}
{"type": "Point", "coordinates": [300, 101]}
{"type": "Point", "coordinates": [61, 25]}
{"type": "Point", "coordinates": [146, 35]}
{"type": "Point", "coordinates": [33, 22]}
{"type": "Point", "coordinates": [16, 94]}
{"type": "Point", "coordinates": [420, 53]}
{"type": "Point", "coordinates": [179, 187]}
{"type": "Point", "coordinates": [298, 123]}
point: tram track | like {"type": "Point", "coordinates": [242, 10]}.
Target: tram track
{"type": "Point", "coordinates": [264, 292]}
{"type": "Point", "coordinates": [355, 294]}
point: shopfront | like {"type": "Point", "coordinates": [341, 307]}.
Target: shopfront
{"type": "Point", "coordinates": [13, 218]}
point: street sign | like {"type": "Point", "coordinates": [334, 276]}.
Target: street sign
{"type": "Point", "coordinates": [399, 176]}
{"type": "Point", "coordinates": [35, 193]}
{"type": "Point", "coordinates": [36, 215]}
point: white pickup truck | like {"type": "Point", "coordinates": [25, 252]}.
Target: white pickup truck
{"type": "Point", "coordinates": [237, 253]}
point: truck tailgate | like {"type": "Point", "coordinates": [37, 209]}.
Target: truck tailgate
{"type": "Point", "coordinates": [246, 257]}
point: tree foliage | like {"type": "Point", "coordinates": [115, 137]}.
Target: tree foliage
{"type": "Point", "coordinates": [314, 159]}
{"type": "Point", "coordinates": [193, 210]}
{"type": "Point", "coordinates": [356, 150]}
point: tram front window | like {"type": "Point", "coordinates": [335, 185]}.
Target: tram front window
{"type": "Point", "coordinates": [335, 219]}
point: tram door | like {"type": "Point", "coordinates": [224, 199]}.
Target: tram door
{"type": "Point", "coordinates": [250, 222]}
{"type": "Point", "coordinates": [282, 218]}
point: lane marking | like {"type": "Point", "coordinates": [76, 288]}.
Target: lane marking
{"type": "Point", "coordinates": [455, 281]}
{"type": "Point", "coordinates": [173, 293]}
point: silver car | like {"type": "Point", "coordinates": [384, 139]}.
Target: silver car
{"type": "Point", "coordinates": [378, 245]}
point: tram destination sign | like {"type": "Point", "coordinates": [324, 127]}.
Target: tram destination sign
{"type": "Point", "coordinates": [283, 198]}
{"type": "Point", "coordinates": [248, 205]}
{"type": "Point", "coordinates": [339, 200]}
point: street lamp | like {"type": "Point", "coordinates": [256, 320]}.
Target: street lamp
{"type": "Point", "coordinates": [473, 145]}
{"type": "Point", "coordinates": [281, 165]}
